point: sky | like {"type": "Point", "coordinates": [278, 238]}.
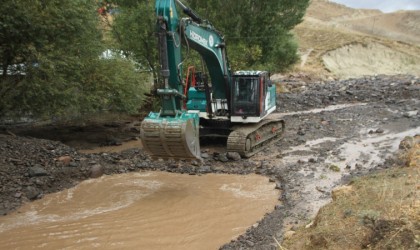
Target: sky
{"type": "Point", "coordinates": [383, 5]}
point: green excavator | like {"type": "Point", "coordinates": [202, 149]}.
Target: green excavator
{"type": "Point", "coordinates": [213, 103]}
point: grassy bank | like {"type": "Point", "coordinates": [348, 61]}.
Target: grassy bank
{"type": "Point", "coordinates": [378, 211]}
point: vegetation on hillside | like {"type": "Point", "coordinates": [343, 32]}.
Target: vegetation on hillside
{"type": "Point", "coordinates": [52, 61]}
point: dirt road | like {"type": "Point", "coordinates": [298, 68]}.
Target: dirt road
{"type": "Point", "coordinates": [334, 131]}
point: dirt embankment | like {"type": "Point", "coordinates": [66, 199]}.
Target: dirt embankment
{"type": "Point", "coordinates": [341, 42]}
{"type": "Point", "coordinates": [378, 211]}
{"type": "Point", "coordinates": [335, 131]}
{"type": "Point", "coordinates": [357, 60]}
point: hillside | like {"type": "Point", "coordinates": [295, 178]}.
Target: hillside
{"type": "Point", "coordinates": [400, 26]}
{"type": "Point", "coordinates": [340, 42]}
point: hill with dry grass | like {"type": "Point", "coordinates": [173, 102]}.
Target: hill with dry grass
{"type": "Point", "coordinates": [340, 42]}
{"type": "Point", "coordinates": [378, 211]}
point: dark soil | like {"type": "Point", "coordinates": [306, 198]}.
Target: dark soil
{"type": "Point", "coordinates": [304, 164]}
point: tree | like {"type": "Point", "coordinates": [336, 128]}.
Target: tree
{"type": "Point", "coordinates": [134, 31]}
{"type": "Point", "coordinates": [257, 33]}
{"type": "Point", "coordinates": [50, 59]}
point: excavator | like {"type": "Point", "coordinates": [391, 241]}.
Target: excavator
{"type": "Point", "coordinates": [214, 103]}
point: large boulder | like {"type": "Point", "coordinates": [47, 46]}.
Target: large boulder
{"type": "Point", "coordinates": [36, 171]}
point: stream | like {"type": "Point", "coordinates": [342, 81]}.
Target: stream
{"type": "Point", "coordinates": [147, 210]}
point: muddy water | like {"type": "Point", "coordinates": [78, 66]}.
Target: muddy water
{"type": "Point", "coordinates": [153, 210]}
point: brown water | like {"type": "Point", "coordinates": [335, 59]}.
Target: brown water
{"type": "Point", "coordinates": [153, 210]}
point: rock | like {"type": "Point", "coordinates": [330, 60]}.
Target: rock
{"type": "Point", "coordinates": [204, 155]}
{"type": "Point", "coordinates": [37, 170]}
{"type": "Point", "coordinates": [250, 243]}
{"type": "Point", "coordinates": [410, 114]}
{"type": "Point", "coordinates": [73, 165]}
{"type": "Point", "coordinates": [204, 169]}
{"type": "Point", "coordinates": [18, 195]}
{"type": "Point", "coordinates": [310, 224]}
{"type": "Point", "coordinates": [407, 143]}
{"type": "Point", "coordinates": [289, 234]}
{"type": "Point", "coordinates": [341, 191]}
{"type": "Point", "coordinates": [235, 156]}
{"type": "Point", "coordinates": [65, 160]}
{"type": "Point", "coordinates": [279, 207]}
{"type": "Point", "coordinates": [301, 132]}
{"type": "Point", "coordinates": [32, 193]}
{"type": "Point", "coordinates": [249, 164]}
{"type": "Point", "coordinates": [96, 171]}
{"type": "Point", "coordinates": [379, 131]}
{"type": "Point", "coordinates": [195, 163]}
{"type": "Point", "coordinates": [3, 212]}
{"type": "Point", "coordinates": [222, 158]}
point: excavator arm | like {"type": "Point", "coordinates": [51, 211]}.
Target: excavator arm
{"type": "Point", "coordinates": [173, 132]}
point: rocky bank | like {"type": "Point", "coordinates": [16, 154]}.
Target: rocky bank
{"type": "Point", "coordinates": [324, 122]}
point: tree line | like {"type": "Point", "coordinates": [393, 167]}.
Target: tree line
{"type": "Point", "coordinates": [52, 59]}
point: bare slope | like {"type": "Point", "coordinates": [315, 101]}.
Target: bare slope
{"type": "Point", "coordinates": [341, 42]}
{"type": "Point", "coordinates": [401, 26]}
{"type": "Point", "coordinates": [329, 11]}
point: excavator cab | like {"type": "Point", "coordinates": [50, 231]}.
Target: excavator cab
{"type": "Point", "coordinates": [252, 96]}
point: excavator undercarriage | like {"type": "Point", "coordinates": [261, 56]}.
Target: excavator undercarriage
{"type": "Point", "coordinates": [250, 139]}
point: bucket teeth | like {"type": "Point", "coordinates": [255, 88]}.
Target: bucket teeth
{"type": "Point", "coordinates": [170, 139]}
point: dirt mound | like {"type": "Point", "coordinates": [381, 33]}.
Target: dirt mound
{"type": "Point", "coordinates": [357, 60]}
{"type": "Point", "coordinates": [331, 27]}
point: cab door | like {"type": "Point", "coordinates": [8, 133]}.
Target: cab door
{"type": "Point", "coordinates": [246, 96]}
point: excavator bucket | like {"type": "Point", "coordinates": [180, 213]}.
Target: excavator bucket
{"type": "Point", "coordinates": [171, 137]}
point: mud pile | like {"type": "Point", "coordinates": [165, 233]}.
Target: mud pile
{"type": "Point", "coordinates": [357, 60]}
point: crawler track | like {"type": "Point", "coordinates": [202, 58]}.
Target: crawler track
{"type": "Point", "coordinates": [249, 139]}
